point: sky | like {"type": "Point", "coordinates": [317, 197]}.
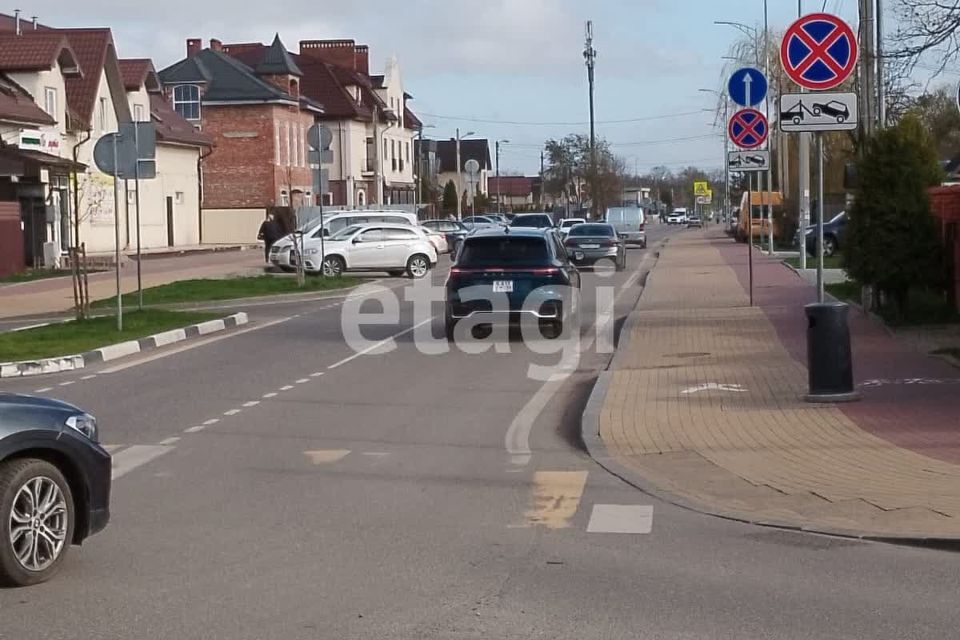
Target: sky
{"type": "Point", "coordinates": [503, 69]}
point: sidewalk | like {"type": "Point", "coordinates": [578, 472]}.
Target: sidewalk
{"type": "Point", "coordinates": [55, 295]}
{"type": "Point", "coordinates": [704, 402]}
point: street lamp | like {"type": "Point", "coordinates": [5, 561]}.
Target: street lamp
{"type": "Point", "coordinates": [747, 30]}
{"type": "Point", "coordinates": [499, 142]}
{"type": "Point", "coordinates": [459, 179]}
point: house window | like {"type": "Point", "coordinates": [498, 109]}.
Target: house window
{"type": "Point", "coordinates": [276, 143]}
{"type": "Point", "coordinates": [291, 143]}
{"type": "Point", "coordinates": [102, 115]}
{"type": "Point", "coordinates": [138, 113]}
{"type": "Point", "coordinates": [178, 197]}
{"type": "Point", "coordinates": [186, 101]}
{"type": "Point", "coordinates": [408, 152]}
{"type": "Point", "coordinates": [361, 198]}
{"type": "Point", "coordinates": [50, 101]}
{"type": "Point", "coordinates": [393, 154]}
{"type": "Point", "coordinates": [285, 139]}
{"type": "Point", "coordinates": [284, 199]}
{"type": "Point", "coordinates": [371, 152]}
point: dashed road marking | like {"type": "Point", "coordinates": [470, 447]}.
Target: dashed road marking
{"type": "Point", "coordinates": [232, 412]}
{"type": "Point", "coordinates": [43, 390]}
{"type": "Point", "coordinates": [68, 383]}
{"type": "Point", "coordinates": [316, 374]}
{"type": "Point", "coordinates": [377, 345]}
{"type": "Point", "coordinates": [286, 387]}
{"type": "Point", "coordinates": [375, 454]}
{"type": "Point", "coordinates": [196, 429]}
{"type": "Point", "coordinates": [169, 441]}
{"type": "Point", "coordinates": [90, 377]}
{"type": "Point", "coordinates": [211, 421]}
{"type": "Point", "coordinates": [556, 498]}
{"type": "Point", "coordinates": [136, 456]}
{"type": "Point", "coordinates": [621, 518]}
{"type": "Point", "coordinates": [326, 456]}
{"type": "Point", "coordinates": [303, 380]}
{"type": "Point", "coordinates": [252, 403]}
{"type": "Point", "coordinates": [267, 396]}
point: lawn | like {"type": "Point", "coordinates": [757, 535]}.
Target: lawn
{"type": "Point", "coordinates": [925, 307]}
{"type": "Point", "coordinates": [206, 290]}
{"type": "Point", "coordinates": [833, 262]}
{"type": "Point", "coordinates": [75, 336]}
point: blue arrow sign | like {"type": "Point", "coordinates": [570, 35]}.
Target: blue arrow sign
{"type": "Point", "coordinates": [747, 87]}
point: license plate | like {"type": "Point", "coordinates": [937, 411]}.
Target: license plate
{"type": "Point", "coordinates": [503, 286]}
{"type": "Point", "coordinates": [589, 246]}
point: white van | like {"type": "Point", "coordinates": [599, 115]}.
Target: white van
{"type": "Point", "coordinates": [335, 223]}
{"type": "Point", "coordinates": [629, 223]}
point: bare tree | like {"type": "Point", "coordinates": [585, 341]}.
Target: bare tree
{"type": "Point", "coordinates": [926, 27]}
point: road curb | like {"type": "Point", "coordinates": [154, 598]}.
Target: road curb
{"type": "Point", "coordinates": [120, 350]}
{"type": "Point", "coordinates": [598, 451]}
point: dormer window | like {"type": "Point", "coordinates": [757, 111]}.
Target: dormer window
{"type": "Point", "coordinates": [186, 101]}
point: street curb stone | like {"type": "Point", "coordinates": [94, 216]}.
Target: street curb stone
{"type": "Point", "coordinates": [598, 451]}
{"type": "Point", "coordinates": [119, 350]}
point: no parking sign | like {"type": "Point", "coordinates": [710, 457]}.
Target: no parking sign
{"type": "Point", "coordinates": [819, 51]}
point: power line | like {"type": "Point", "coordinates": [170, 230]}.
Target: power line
{"type": "Point", "coordinates": [641, 143]}
{"type": "Point", "coordinates": [665, 116]}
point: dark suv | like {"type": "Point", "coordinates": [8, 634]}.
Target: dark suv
{"type": "Point", "coordinates": [54, 485]}
{"type": "Point", "coordinates": [532, 221]}
{"type": "Point", "coordinates": [505, 275]}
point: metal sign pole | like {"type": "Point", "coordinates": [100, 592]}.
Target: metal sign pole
{"type": "Point", "coordinates": [116, 235]}
{"type": "Point", "coordinates": [820, 190]}
{"type": "Point", "coordinates": [136, 180]}
{"type": "Point", "coordinates": [323, 246]}
{"type": "Point", "coordinates": [749, 214]}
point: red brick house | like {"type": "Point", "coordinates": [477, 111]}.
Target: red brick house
{"type": "Point", "coordinates": [257, 118]}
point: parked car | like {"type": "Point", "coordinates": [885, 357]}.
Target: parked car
{"type": "Point", "coordinates": [694, 222]}
{"type": "Point", "coordinates": [438, 240]}
{"type": "Point", "coordinates": [589, 243]}
{"type": "Point", "coordinates": [283, 254]}
{"type": "Point", "coordinates": [394, 248]}
{"type": "Point", "coordinates": [474, 222]}
{"type": "Point", "coordinates": [532, 221]}
{"type": "Point", "coordinates": [54, 485]}
{"type": "Point", "coordinates": [833, 232]}
{"type": "Point", "coordinates": [677, 216]}
{"type": "Point", "coordinates": [454, 230]}
{"type": "Point", "coordinates": [630, 223]}
{"type": "Point", "coordinates": [518, 263]}
{"type": "Point", "coordinates": [567, 223]}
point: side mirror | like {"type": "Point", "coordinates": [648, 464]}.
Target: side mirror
{"type": "Point", "coordinates": [357, 240]}
{"type": "Point", "coordinates": [326, 232]}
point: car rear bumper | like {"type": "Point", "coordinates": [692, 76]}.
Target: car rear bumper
{"type": "Point", "coordinates": [589, 256]}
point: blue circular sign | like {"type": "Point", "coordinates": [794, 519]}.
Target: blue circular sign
{"type": "Point", "coordinates": [747, 87]}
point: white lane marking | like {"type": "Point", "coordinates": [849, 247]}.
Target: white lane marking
{"type": "Point", "coordinates": [303, 380]}
{"type": "Point", "coordinates": [192, 345]}
{"type": "Point", "coordinates": [376, 346]}
{"type": "Point", "coordinates": [89, 377]}
{"type": "Point", "coordinates": [375, 454]}
{"type": "Point", "coordinates": [196, 429]}
{"type": "Point", "coordinates": [252, 403]}
{"type": "Point", "coordinates": [211, 421]}
{"type": "Point", "coordinates": [43, 390]}
{"type": "Point", "coordinates": [317, 374]}
{"type": "Point", "coordinates": [621, 518]}
{"type": "Point", "coordinates": [110, 448]}
{"type": "Point", "coordinates": [68, 383]}
{"type": "Point", "coordinates": [232, 412]}
{"type": "Point", "coordinates": [286, 387]}
{"type": "Point", "coordinates": [270, 395]}
{"type": "Point", "coordinates": [327, 456]}
{"type": "Point", "coordinates": [135, 456]}
{"type": "Point", "coordinates": [169, 441]}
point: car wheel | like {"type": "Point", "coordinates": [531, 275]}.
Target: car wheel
{"type": "Point", "coordinates": [829, 246]}
{"type": "Point", "coordinates": [36, 521]}
{"type": "Point", "coordinates": [418, 266]}
{"type": "Point", "coordinates": [333, 266]}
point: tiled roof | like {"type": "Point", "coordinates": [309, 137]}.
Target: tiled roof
{"type": "Point", "coordinates": [135, 72]}
{"type": "Point", "coordinates": [16, 105]}
{"type": "Point", "coordinates": [514, 186]}
{"type": "Point", "coordinates": [277, 61]}
{"type": "Point", "coordinates": [33, 51]}
{"type": "Point", "coordinates": [92, 47]}
{"type": "Point", "coordinates": [410, 120]}
{"type": "Point", "coordinates": [226, 79]}
{"type": "Point", "coordinates": [475, 148]}
{"type": "Point", "coordinates": [171, 127]}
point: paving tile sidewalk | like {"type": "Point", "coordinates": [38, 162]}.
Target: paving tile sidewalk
{"type": "Point", "coordinates": [55, 295]}
{"type": "Point", "coordinates": [705, 402]}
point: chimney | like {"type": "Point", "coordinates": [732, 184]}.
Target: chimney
{"type": "Point", "coordinates": [16, 16]}
{"type": "Point", "coordinates": [194, 45]}
{"type": "Point", "coordinates": [341, 53]}
{"type": "Point", "coordinates": [34, 19]}
{"type": "Point", "coordinates": [216, 45]}
{"type": "Point", "coordinates": [362, 59]}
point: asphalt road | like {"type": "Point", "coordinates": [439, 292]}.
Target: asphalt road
{"type": "Point", "coordinates": [275, 484]}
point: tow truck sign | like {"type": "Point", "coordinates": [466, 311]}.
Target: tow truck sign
{"type": "Point", "coordinates": [812, 112]}
{"type": "Point", "coordinates": [747, 161]}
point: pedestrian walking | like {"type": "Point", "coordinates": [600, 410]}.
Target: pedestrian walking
{"type": "Point", "coordinates": [269, 232]}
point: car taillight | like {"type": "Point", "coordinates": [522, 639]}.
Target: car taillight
{"type": "Point", "coordinates": [546, 271]}
{"type": "Point", "coordinates": [608, 243]}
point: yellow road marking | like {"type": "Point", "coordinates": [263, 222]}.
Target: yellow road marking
{"type": "Point", "coordinates": [556, 497]}
{"type": "Point", "coordinates": [327, 457]}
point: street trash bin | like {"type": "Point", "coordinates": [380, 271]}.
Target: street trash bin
{"type": "Point", "coordinates": [829, 359]}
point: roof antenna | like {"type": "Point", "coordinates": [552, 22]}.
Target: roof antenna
{"type": "Point", "coordinates": [16, 15]}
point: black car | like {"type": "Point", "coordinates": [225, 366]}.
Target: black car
{"type": "Point", "coordinates": [453, 230]}
{"type": "Point", "coordinates": [528, 270]}
{"type": "Point", "coordinates": [54, 485]}
{"type": "Point", "coordinates": [589, 243]}
{"type": "Point", "coordinates": [533, 221]}
{"type": "Point", "coordinates": [833, 109]}
{"type": "Point", "coordinates": [833, 232]}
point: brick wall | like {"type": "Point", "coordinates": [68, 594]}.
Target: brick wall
{"type": "Point", "coordinates": [242, 171]}
{"type": "Point", "coordinates": [945, 204]}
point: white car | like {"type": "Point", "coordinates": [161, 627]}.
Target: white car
{"type": "Point", "coordinates": [569, 222]}
{"type": "Point", "coordinates": [438, 240]}
{"type": "Point", "coordinates": [394, 248]}
{"type": "Point", "coordinates": [281, 252]}
{"type": "Point", "coordinates": [679, 216]}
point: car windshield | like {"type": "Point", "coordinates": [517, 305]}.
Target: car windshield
{"type": "Point", "coordinates": [536, 222]}
{"type": "Point", "coordinates": [503, 250]}
{"type": "Point", "coordinates": [602, 230]}
{"type": "Point", "coordinates": [345, 233]}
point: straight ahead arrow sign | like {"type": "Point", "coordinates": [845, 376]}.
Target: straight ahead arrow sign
{"type": "Point", "coordinates": [747, 81]}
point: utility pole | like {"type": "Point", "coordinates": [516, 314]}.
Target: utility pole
{"type": "Point", "coordinates": [543, 185]}
{"type": "Point", "coordinates": [459, 187]}
{"type": "Point", "coordinates": [881, 89]}
{"type": "Point", "coordinates": [590, 55]}
{"type": "Point", "coordinates": [766, 72]}
{"type": "Point", "coordinates": [803, 180]}
{"type": "Point", "coordinates": [868, 93]}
